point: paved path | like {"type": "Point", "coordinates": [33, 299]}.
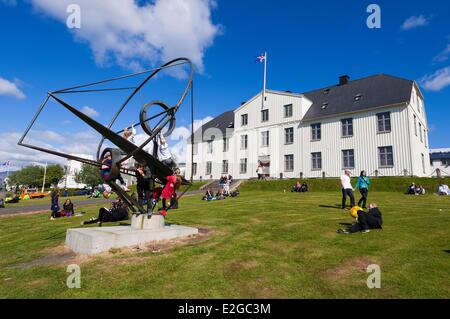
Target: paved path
{"type": "Point", "coordinates": [78, 203]}
{"type": "Point", "coordinates": [46, 207]}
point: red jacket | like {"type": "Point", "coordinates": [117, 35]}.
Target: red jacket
{"type": "Point", "coordinates": [169, 188]}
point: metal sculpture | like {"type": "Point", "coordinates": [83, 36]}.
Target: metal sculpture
{"type": "Point", "coordinates": [125, 149]}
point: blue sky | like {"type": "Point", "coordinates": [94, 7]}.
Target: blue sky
{"type": "Point", "coordinates": [309, 44]}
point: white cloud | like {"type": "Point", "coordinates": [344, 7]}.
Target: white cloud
{"type": "Point", "coordinates": [137, 35]}
{"type": "Point", "coordinates": [11, 89]}
{"type": "Point", "coordinates": [89, 111]}
{"type": "Point", "coordinates": [414, 22]}
{"type": "Point", "coordinates": [443, 56]}
{"type": "Point", "coordinates": [437, 80]}
{"type": "Point", "coordinates": [10, 151]}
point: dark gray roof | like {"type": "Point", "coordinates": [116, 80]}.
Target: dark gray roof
{"type": "Point", "coordinates": [221, 122]}
{"type": "Point", "coordinates": [376, 91]}
{"type": "Point", "coordinates": [439, 155]}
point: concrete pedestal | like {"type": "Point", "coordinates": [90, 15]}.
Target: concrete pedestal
{"type": "Point", "coordinates": [143, 222]}
{"type": "Point", "coordinates": [95, 240]}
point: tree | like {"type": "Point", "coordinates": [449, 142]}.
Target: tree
{"type": "Point", "coordinates": [30, 175]}
{"type": "Point", "coordinates": [54, 174]}
{"type": "Point", "coordinates": [88, 175]}
{"type": "Point", "coordinates": [34, 175]}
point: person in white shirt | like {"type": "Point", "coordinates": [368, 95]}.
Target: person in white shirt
{"type": "Point", "coordinates": [259, 172]}
{"type": "Point", "coordinates": [443, 190]}
{"type": "Point", "coordinates": [164, 153]}
{"type": "Point", "coordinates": [347, 189]}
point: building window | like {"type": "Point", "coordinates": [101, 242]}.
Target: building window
{"type": "Point", "coordinates": [347, 127]}
{"type": "Point", "coordinates": [415, 124]}
{"type": "Point", "coordinates": [208, 168]}
{"type": "Point", "coordinates": [224, 167]}
{"type": "Point", "coordinates": [348, 157]}
{"type": "Point", "coordinates": [384, 122]}
{"type": "Point", "coordinates": [244, 142]}
{"type": "Point", "coordinates": [209, 148]}
{"type": "Point", "coordinates": [423, 164]}
{"type": "Point", "coordinates": [243, 166]}
{"type": "Point", "coordinates": [385, 156]}
{"type": "Point", "coordinates": [418, 104]}
{"type": "Point", "coordinates": [264, 115]}
{"type": "Point", "coordinates": [289, 135]}
{"type": "Point", "coordinates": [265, 139]}
{"type": "Point", "coordinates": [288, 110]}
{"type": "Point", "coordinates": [226, 144]}
{"type": "Point", "coordinates": [425, 138]}
{"type": "Point", "coordinates": [289, 163]}
{"type": "Point", "coordinates": [315, 132]}
{"type": "Point", "coordinates": [194, 169]}
{"type": "Point", "coordinates": [195, 149]}
{"type": "Point", "coordinates": [420, 132]}
{"type": "Point", "coordinates": [316, 161]}
{"type": "Point", "coordinates": [244, 119]}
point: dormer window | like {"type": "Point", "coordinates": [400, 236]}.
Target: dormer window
{"type": "Point", "coordinates": [358, 97]}
{"type": "Point", "coordinates": [324, 105]}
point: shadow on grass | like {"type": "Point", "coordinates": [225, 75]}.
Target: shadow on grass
{"type": "Point", "coordinates": [447, 251]}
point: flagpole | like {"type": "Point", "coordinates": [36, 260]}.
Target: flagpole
{"type": "Point", "coordinates": [265, 79]}
{"type": "Point", "coordinates": [45, 173]}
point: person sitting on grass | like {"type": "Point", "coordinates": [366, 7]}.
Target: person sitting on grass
{"type": "Point", "coordinates": [208, 195]}
{"type": "Point", "coordinates": [118, 211]}
{"type": "Point", "coordinates": [420, 190]}
{"type": "Point", "coordinates": [365, 221]}
{"type": "Point", "coordinates": [443, 190]}
{"type": "Point", "coordinates": [411, 189]}
{"type": "Point", "coordinates": [220, 194]}
{"type": "Point", "coordinates": [67, 209]}
{"type": "Point", "coordinates": [12, 200]}
{"type": "Point", "coordinates": [304, 188]}
{"type": "Point", "coordinates": [297, 187]}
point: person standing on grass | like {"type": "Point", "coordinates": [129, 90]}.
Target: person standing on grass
{"type": "Point", "coordinates": [347, 189]}
{"type": "Point", "coordinates": [363, 184]}
{"type": "Point", "coordinates": [55, 204]}
{"type": "Point", "coordinates": [259, 172]}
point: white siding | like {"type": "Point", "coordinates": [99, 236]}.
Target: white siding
{"type": "Point", "coordinates": [407, 148]}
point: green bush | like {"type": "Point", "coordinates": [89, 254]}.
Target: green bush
{"type": "Point", "coordinates": [386, 184]}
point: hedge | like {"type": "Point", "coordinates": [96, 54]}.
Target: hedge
{"type": "Point", "coordinates": [385, 184]}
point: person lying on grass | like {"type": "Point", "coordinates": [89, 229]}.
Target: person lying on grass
{"type": "Point", "coordinates": [365, 221]}
{"type": "Point", "coordinates": [118, 211]}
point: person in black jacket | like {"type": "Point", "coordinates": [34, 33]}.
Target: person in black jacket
{"type": "Point", "coordinates": [145, 185]}
{"type": "Point", "coordinates": [117, 212]}
{"type": "Point", "coordinates": [366, 221]}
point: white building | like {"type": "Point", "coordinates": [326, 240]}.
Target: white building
{"type": "Point", "coordinates": [377, 124]}
{"type": "Point", "coordinates": [440, 159]}
{"type": "Point", "coordinates": [71, 169]}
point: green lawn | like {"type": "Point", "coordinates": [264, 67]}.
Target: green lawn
{"type": "Point", "coordinates": [264, 244]}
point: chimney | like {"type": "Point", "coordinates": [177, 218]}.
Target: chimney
{"type": "Point", "coordinates": [344, 79]}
